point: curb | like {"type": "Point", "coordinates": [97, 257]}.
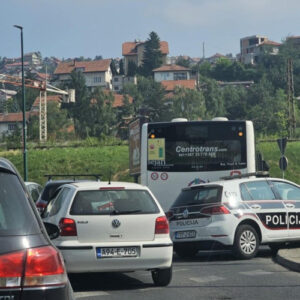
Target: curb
{"type": "Point", "coordinates": [288, 259]}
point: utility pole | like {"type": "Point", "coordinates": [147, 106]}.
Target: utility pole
{"type": "Point", "coordinates": [290, 98]}
{"type": "Point", "coordinates": [24, 107]}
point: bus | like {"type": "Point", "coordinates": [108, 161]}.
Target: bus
{"type": "Point", "coordinates": [181, 153]}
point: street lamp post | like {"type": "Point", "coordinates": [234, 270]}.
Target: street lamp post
{"type": "Point", "coordinates": [24, 107]}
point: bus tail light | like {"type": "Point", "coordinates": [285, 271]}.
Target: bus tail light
{"type": "Point", "coordinates": [67, 227]}
{"type": "Point", "coordinates": [33, 267]}
{"type": "Point", "coordinates": [162, 225]}
{"type": "Point", "coordinates": [215, 210]}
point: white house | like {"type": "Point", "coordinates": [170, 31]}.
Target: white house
{"type": "Point", "coordinates": [97, 73]}
{"type": "Point", "coordinates": [171, 72]}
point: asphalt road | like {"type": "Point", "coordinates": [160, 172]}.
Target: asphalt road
{"type": "Point", "coordinates": [211, 275]}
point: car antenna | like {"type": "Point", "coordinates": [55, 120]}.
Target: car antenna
{"type": "Point", "coordinates": [109, 179]}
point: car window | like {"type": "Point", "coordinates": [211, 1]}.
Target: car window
{"type": "Point", "coordinates": [34, 194]}
{"type": "Point", "coordinates": [16, 215]}
{"type": "Point", "coordinates": [256, 190]}
{"type": "Point", "coordinates": [105, 202]}
{"type": "Point", "coordinates": [287, 191]}
{"type": "Point", "coordinates": [199, 195]}
{"type": "Point", "coordinates": [58, 201]}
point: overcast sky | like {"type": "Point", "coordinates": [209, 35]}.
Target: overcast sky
{"type": "Point", "coordinates": [73, 28]}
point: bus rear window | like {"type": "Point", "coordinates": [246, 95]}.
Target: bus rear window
{"type": "Point", "coordinates": [201, 146]}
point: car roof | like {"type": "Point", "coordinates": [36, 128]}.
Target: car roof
{"type": "Point", "coordinates": [5, 164]}
{"type": "Point", "coordinates": [238, 181]}
{"type": "Point", "coordinates": [106, 184]}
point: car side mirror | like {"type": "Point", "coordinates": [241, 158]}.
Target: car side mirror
{"type": "Point", "coordinates": [52, 230]}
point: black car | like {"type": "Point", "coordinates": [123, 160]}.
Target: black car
{"type": "Point", "coordinates": [31, 268]}
{"type": "Point", "coordinates": [51, 188]}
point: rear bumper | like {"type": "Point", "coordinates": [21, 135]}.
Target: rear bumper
{"type": "Point", "coordinates": [84, 259]}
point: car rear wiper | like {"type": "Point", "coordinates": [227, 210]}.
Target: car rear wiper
{"type": "Point", "coordinates": [124, 212]}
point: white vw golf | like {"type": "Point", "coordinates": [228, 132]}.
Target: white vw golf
{"type": "Point", "coordinates": [111, 226]}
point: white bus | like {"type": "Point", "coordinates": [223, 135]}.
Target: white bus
{"type": "Point", "coordinates": [181, 153]}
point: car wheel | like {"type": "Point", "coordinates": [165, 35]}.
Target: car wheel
{"type": "Point", "coordinates": [162, 277]}
{"type": "Point", "coordinates": [246, 242]}
{"type": "Point", "coordinates": [185, 250]}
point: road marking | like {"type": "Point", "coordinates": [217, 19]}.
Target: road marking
{"type": "Point", "coordinates": [89, 294]}
{"type": "Point", "coordinates": [150, 289]}
{"type": "Point", "coordinates": [180, 270]}
{"type": "Point", "coordinates": [256, 273]}
{"type": "Point", "coordinates": [206, 279]}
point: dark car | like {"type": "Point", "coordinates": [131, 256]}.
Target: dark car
{"type": "Point", "coordinates": [50, 189]}
{"type": "Point", "coordinates": [31, 268]}
{"type": "Point", "coordinates": [48, 192]}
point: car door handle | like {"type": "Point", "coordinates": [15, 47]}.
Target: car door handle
{"type": "Point", "coordinates": [289, 205]}
{"type": "Point", "coordinates": [255, 206]}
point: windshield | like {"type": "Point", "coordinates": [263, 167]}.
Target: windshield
{"type": "Point", "coordinates": [199, 195]}
{"type": "Point", "coordinates": [197, 146]}
{"type": "Point", "coordinates": [16, 216]}
{"type": "Point", "coordinates": [113, 202]}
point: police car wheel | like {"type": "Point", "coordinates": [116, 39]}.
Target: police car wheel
{"type": "Point", "coordinates": [246, 242]}
{"type": "Point", "coordinates": [185, 251]}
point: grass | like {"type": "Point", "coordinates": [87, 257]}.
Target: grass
{"type": "Point", "coordinates": [113, 161]}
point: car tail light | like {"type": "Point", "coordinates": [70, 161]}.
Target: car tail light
{"type": "Point", "coordinates": [41, 206]}
{"type": "Point", "coordinates": [169, 214]}
{"type": "Point", "coordinates": [67, 227]}
{"type": "Point", "coordinates": [215, 210]}
{"type": "Point", "coordinates": [33, 267]}
{"type": "Point", "coordinates": [161, 225]}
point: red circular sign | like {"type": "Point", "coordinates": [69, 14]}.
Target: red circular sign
{"type": "Point", "coordinates": [164, 176]}
{"type": "Point", "coordinates": [154, 176]}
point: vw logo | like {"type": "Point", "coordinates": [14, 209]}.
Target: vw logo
{"type": "Point", "coordinates": [185, 213]}
{"type": "Point", "coordinates": [115, 223]}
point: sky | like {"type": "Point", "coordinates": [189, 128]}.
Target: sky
{"type": "Point", "coordinates": [73, 28]}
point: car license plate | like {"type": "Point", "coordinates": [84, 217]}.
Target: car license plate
{"type": "Point", "coordinates": [185, 234]}
{"type": "Point", "coordinates": [117, 252]}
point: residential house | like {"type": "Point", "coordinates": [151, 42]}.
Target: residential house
{"type": "Point", "coordinates": [50, 98]}
{"type": "Point", "coordinates": [9, 122]}
{"type": "Point", "coordinates": [252, 47]}
{"type": "Point", "coordinates": [97, 73]}
{"type": "Point", "coordinates": [294, 40]}
{"type": "Point", "coordinates": [171, 72]}
{"type": "Point", "coordinates": [119, 81]}
{"type": "Point", "coordinates": [134, 51]}
{"type": "Point", "coordinates": [171, 85]}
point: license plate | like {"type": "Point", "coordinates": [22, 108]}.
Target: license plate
{"type": "Point", "coordinates": [189, 234]}
{"type": "Point", "coordinates": [117, 252]}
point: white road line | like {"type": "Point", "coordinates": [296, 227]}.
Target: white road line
{"type": "Point", "coordinates": [256, 273]}
{"type": "Point", "coordinates": [206, 279]}
{"type": "Point", "coordinates": [150, 289]}
{"type": "Point", "coordinates": [89, 294]}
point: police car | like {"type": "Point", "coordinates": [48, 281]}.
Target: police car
{"type": "Point", "coordinates": [241, 213]}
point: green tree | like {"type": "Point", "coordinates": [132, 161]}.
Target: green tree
{"type": "Point", "coordinates": [187, 103]}
{"type": "Point", "coordinates": [152, 55]}
{"type": "Point", "coordinates": [113, 67]}
{"type": "Point", "coordinates": [121, 71]}
{"type": "Point", "coordinates": [181, 61]}
{"type": "Point", "coordinates": [132, 68]}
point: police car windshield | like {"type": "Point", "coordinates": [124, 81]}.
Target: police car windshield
{"type": "Point", "coordinates": [198, 196]}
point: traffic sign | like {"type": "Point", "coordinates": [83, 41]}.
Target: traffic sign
{"type": "Point", "coordinates": [283, 163]}
{"type": "Point", "coordinates": [282, 144]}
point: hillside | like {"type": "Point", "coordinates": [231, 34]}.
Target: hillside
{"type": "Point", "coordinates": [114, 161]}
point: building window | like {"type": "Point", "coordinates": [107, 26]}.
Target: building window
{"type": "Point", "coordinates": [12, 126]}
{"type": "Point", "coordinates": [180, 76]}
{"type": "Point", "coordinates": [116, 88]}
{"type": "Point", "coordinates": [97, 79]}
{"type": "Point", "coordinates": [116, 79]}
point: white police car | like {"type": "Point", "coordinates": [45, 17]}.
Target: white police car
{"type": "Point", "coordinates": [241, 213]}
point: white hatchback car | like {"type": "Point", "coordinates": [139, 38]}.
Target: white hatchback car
{"type": "Point", "coordinates": [239, 213]}
{"type": "Point", "coordinates": [111, 226]}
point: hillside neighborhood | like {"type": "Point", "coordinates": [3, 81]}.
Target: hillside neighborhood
{"type": "Point", "coordinates": [116, 76]}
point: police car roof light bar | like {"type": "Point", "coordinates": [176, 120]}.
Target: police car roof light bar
{"type": "Point", "coordinates": [256, 174]}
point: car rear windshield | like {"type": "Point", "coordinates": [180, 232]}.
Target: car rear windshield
{"type": "Point", "coordinates": [50, 189]}
{"type": "Point", "coordinates": [113, 202]}
{"type": "Point", "coordinates": [199, 195]}
{"type": "Point", "coordinates": [16, 215]}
